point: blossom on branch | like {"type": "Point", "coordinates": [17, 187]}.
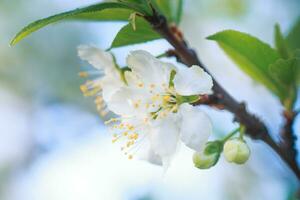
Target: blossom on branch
{"type": "Point", "coordinates": [155, 111]}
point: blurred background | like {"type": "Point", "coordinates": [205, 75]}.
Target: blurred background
{"type": "Point", "coordinates": [54, 146]}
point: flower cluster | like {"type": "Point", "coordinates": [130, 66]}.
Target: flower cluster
{"type": "Point", "coordinates": [152, 100]}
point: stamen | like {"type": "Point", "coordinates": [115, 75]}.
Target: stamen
{"type": "Point", "coordinates": [90, 88]}
{"type": "Point", "coordinates": [99, 100]}
{"type": "Point", "coordinates": [140, 85]}
{"type": "Point", "coordinates": [103, 113]}
{"type": "Point", "coordinates": [83, 74]}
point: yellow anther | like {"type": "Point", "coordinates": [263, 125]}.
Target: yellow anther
{"type": "Point", "coordinates": [167, 98]}
{"type": "Point", "coordinates": [90, 92]}
{"type": "Point", "coordinates": [104, 112]}
{"type": "Point", "coordinates": [135, 136]}
{"type": "Point", "coordinates": [141, 85]}
{"type": "Point", "coordinates": [83, 74]}
{"type": "Point", "coordinates": [130, 127]}
{"type": "Point", "coordinates": [125, 133]}
{"type": "Point", "coordinates": [83, 88]}
{"type": "Point", "coordinates": [136, 105]}
{"type": "Point", "coordinates": [98, 99]}
{"type": "Point", "coordinates": [130, 157]}
{"type": "Point", "coordinates": [152, 86]}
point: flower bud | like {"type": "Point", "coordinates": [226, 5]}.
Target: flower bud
{"type": "Point", "coordinates": [236, 151]}
{"type": "Point", "coordinates": [209, 156]}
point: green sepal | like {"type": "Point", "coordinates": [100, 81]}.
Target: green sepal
{"type": "Point", "coordinates": [187, 99]}
{"type": "Point", "coordinates": [209, 156]}
{"type": "Point", "coordinates": [172, 76]}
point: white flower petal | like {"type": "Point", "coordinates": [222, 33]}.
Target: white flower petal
{"type": "Point", "coordinates": [98, 58]}
{"type": "Point", "coordinates": [147, 153]}
{"type": "Point", "coordinates": [119, 102]}
{"type": "Point", "coordinates": [128, 101]}
{"type": "Point", "coordinates": [192, 81]}
{"type": "Point", "coordinates": [164, 137]}
{"type": "Point", "coordinates": [195, 127]}
{"type": "Point", "coordinates": [110, 84]}
{"type": "Point", "coordinates": [150, 69]}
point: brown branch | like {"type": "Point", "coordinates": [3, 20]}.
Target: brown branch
{"type": "Point", "coordinates": [288, 137]}
{"type": "Point", "coordinates": [255, 128]}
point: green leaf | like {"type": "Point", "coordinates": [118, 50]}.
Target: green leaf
{"type": "Point", "coordinates": [128, 36]}
{"type": "Point", "coordinates": [293, 38]}
{"type": "Point", "coordinates": [88, 12]}
{"type": "Point", "coordinates": [251, 55]}
{"type": "Point", "coordinates": [115, 14]}
{"type": "Point", "coordinates": [142, 6]}
{"type": "Point", "coordinates": [296, 56]}
{"type": "Point", "coordinates": [287, 73]}
{"type": "Point", "coordinates": [172, 9]}
{"type": "Point", "coordinates": [280, 43]}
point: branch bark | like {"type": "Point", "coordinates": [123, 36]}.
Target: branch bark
{"type": "Point", "coordinates": [288, 136]}
{"type": "Point", "coordinates": [255, 128]}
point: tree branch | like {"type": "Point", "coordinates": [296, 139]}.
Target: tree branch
{"type": "Point", "coordinates": [288, 137]}
{"type": "Point", "coordinates": [255, 128]}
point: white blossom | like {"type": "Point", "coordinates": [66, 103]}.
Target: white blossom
{"type": "Point", "coordinates": [154, 108]}
{"type": "Point", "coordinates": [108, 77]}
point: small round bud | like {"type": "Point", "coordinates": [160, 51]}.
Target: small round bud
{"type": "Point", "coordinates": [209, 156]}
{"type": "Point", "coordinates": [236, 151]}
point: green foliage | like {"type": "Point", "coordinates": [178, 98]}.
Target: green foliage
{"type": "Point", "coordinates": [113, 11]}
{"type": "Point", "coordinates": [172, 9]}
{"type": "Point", "coordinates": [251, 55]}
{"type": "Point", "coordinates": [278, 70]}
{"type": "Point", "coordinates": [293, 38]}
{"type": "Point", "coordinates": [141, 6]}
{"type": "Point", "coordinates": [287, 73]}
{"type": "Point", "coordinates": [128, 36]}
{"type": "Point", "coordinates": [280, 43]}
{"type": "Point", "coordinates": [92, 12]}
{"type": "Point", "coordinates": [115, 14]}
